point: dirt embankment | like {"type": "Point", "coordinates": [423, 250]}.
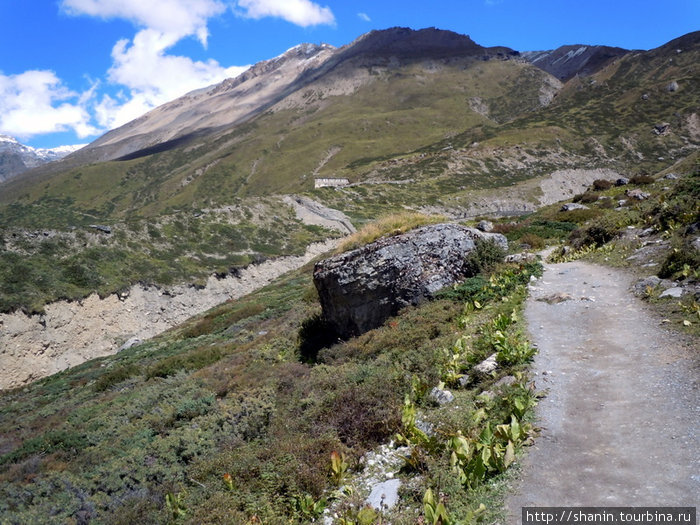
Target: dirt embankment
{"type": "Point", "coordinates": [619, 422]}
{"type": "Point", "coordinates": [527, 196]}
{"type": "Point", "coordinates": [70, 333]}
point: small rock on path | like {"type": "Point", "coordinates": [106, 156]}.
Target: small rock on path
{"type": "Point", "coordinates": [620, 420]}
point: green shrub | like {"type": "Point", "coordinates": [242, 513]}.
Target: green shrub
{"type": "Point", "coordinates": [642, 179]}
{"type": "Point", "coordinates": [544, 229]}
{"type": "Point", "coordinates": [51, 441]}
{"type": "Point", "coordinates": [486, 255]}
{"type": "Point", "coordinates": [202, 327]}
{"type": "Point", "coordinates": [683, 256]}
{"type": "Point", "coordinates": [482, 290]}
{"type": "Point", "coordinates": [588, 197]}
{"type": "Point", "coordinates": [193, 360]}
{"type": "Point", "coordinates": [533, 241]}
{"type": "Point", "coordinates": [191, 408]}
{"type": "Point", "coordinates": [115, 376]}
{"type": "Point", "coordinates": [82, 274]}
{"type": "Point", "coordinates": [598, 233]}
{"type": "Point", "coordinates": [602, 184]}
{"type": "Point", "coordinates": [606, 204]}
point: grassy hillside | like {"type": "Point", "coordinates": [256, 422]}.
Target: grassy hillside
{"type": "Point", "coordinates": [38, 266]}
{"type": "Point", "coordinates": [281, 151]}
{"type": "Point", "coordinates": [159, 205]}
{"type": "Point", "coordinates": [226, 420]}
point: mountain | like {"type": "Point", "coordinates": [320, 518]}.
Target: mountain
{"type": "Point", "coordinates": [426, 120]}
{"type": "Point", "coordinates": [267, 83]}
{"type": "Point", "coordinates": [262, 131]}
{"type": "Point", "coordinates": [566, 62]}
{"type": "Point", "coordinates": [209, 109]}
{"type": "Point", "coordinates": [16, 158]}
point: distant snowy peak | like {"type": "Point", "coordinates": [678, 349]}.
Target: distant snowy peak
{"type": "Point", "coordinates": [16, 158]}
{"type": "Point", "coordinates": [58, 152]}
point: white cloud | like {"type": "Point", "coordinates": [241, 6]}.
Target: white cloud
{"type": "Point", "coordinates": [179, 18]}
{"type": "Point", "coordinates": [148, 75]}
{"type": "Point", "coordinates": [37, 102]}
{"type": "Point", "coordinates": [364, 16]}
{"type": "Point", "coordinates": [144, 73]}
{"type": "Point", "coordinates": [300, 12]}
{"type": "Point", "coordinates": [153, 77]}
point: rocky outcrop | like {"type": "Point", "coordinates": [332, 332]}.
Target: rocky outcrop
{"type": "Point", "coordinates": [571, 206]}
{"type": "Point", "coordinates": [566, 62]}
{"type": "Point", "coordinates": [360, 289]}
{"type": "Point", "coordinates": [312, 212]}
{"type": "Point", "coordinates": [485, 226]}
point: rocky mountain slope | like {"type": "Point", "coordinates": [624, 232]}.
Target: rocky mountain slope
{"type": "Point", "coordinates": [426, 120]}
{"type": "Point", "coordinates": [16, 158]}
{"type": "Point", "coordinates": [565, 62]}
{"type": "Point", "coordinates": [261, 87]}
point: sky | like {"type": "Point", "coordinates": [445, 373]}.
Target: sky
{"type": "Point", "coordinates": [70, 70]}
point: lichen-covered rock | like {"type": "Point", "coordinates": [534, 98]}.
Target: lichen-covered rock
{"type": "Point", "coordinates": [485, 226]}
{"type": "Point", "coordinates": [441, 396]}
{"type": "Point", "coordinates": [360, 289]}
{"type": "Point", "coordinates": [637, 194]}
{"type": "Point", "coordinates": [573, 206]}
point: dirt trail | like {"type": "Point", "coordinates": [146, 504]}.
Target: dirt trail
{"type": "Point", "coordinates": [620, 421]}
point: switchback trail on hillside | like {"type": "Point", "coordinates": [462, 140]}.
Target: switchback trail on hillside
{"type": "Point", "coordinates": [619, 423]}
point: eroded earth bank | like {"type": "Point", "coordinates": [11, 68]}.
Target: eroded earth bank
{"type": "Point", "coordinates": [70, 333]}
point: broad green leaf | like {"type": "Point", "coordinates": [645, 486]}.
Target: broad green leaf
{"type": "Point", "coordinates": [510, 455]}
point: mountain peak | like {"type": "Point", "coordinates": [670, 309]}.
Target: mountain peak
{"type": "Point", "coordinates": [8, 139]}
{"type": "Point", "coordinates": [16, 158]}
{"type": "Point", "coordinates": [403, 42]}
{"type": "Point", "coordinates": [568, 61]}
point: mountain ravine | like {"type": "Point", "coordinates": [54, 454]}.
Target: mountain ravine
{"type": "Point", "coordinates": [70, 333]}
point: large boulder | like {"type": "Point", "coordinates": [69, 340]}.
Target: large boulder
{"type": "Point", "coordinates": [361, 288]}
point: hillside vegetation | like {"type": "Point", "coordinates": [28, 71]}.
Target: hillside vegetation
{"type": "Point", "coordinates": [431, 132]}
{"type": "Point", "coordinates": [227, 419]}
{"type": "Point", "coordinates": [222, 420]}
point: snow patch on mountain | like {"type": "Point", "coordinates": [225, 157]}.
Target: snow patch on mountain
{"type": "Point", "coordinates": [16, 158]}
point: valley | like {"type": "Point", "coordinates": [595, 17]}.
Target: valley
{"type": "Point", "coordinates": [164, 353]}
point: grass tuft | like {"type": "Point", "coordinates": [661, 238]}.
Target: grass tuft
{"type": "Point", "coordinates": [390, 225]}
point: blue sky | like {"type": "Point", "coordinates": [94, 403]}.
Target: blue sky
{"type": "Point", "coordinates": [72, 69]}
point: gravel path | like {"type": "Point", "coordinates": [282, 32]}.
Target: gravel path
{"type": "Point", "coordinates": [620, 421]}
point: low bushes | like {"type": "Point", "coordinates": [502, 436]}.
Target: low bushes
{"type": "Point", "coordinates": [683, 258]}
{"type": "Point", "coordinates": [602, 184]}
{"type": "Point", "coordinates": [192, 410]}
{"type": "Point", "coordinates": [115, 376]}
{"type": "Point", "coordinates": [642, 179]}
{"type": "Point", "coordinates": [191, 361]}
{"type": "Point", "coordinates": [485, 256]}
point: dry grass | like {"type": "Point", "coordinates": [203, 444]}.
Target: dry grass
{"type": "Point", "coordinates": [389, 225]}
